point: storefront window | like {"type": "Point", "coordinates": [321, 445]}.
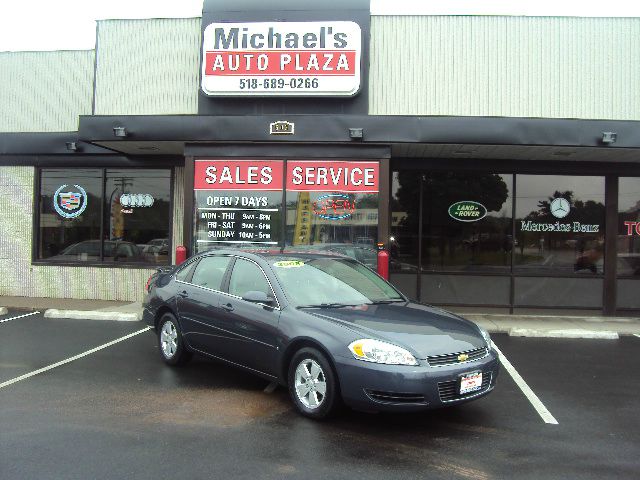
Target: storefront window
{"type": "Point", "coordinates": [467, 222]}
{"type": "Point", "coordinates": [333, 206]}
{"type": "Point", "coordinates": [559, 225]}
{"type": "Point", "coordinates": [628, 262]}
{"type": "Point", "coordinates": [237, 203]}
{"type": "Point", "coordinates": [138, 209]}
{"type": "Point", "coordinates": [104, 215]}
{"type": "Point", "coordinates": [405, 203]}
{"type": "Point", "coordinates": [70, 217]}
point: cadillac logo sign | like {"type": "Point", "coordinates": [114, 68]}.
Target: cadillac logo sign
{"type": "Point", "coordinates": [70, 204]}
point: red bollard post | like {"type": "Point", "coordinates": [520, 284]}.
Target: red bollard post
{"type": "Point", "coordinates": [181, 254]}
{"type": "Point", "coordinates": [383, 264]}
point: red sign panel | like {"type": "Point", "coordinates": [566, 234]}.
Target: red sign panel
{"type": "Point", "coordinates": [332, 176]}
{"type": "Point", "coordinates": [238, 175]}
{"type": "Point", "coordinates": [289, 62]}
{"type": "Point", "coordinates": [302, 175]}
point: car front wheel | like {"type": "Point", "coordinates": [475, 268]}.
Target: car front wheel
{"type": "Point", "coordinates": [312, 384]}
{"type": "Point", "coordinates": [170, 341]}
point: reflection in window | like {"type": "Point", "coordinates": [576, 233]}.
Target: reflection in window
{"type": "Point", "coordinates": [135, 221]}
{"type": "Point", "coordinates": [210, 271]}
{"type": "Point", "coordinates": [247, 277]}
{"type": "Point", "coordinates": [235, 219]}
{"type": "Point", "coordinates": [560, 224]}
{"type": "Point", "coordinates": [138, 209]}
{"type": "Point", "coordinates": [344, 223]}
{"type": "Point", "coordinates": [628, 264]}
{"type": "Point", "coordinates": [69, 229]}
{"type": "Point", "coordinates": [466, 221]}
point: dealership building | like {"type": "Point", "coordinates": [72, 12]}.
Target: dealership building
{"type": "Point", "coordinates": [496, 158]}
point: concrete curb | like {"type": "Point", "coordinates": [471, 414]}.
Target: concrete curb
{"type": "Point", "coordinates": [3, 310]}
{"type": "Point", "coordinates": [568, 333]}
{"type": "Point", "coordinates": [92, 315]}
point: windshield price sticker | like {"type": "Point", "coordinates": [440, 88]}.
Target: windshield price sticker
{"type": "Point", "coordinates": [289, 264]}
{"type": "Point", "coordinates": [281, 59]}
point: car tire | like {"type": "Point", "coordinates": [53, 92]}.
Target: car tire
{"type": "Point", "coordinates": [313, 386]}
{"type": "Point", "coordinates": [170, 343]}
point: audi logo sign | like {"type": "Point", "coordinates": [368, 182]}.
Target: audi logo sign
{"type": "Point", "coordinates": [136, 200]}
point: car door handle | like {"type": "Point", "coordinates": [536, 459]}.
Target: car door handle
{"type": "Point", "coordinates": [228, 307]}
{"type": "Point", "coordinates": [183, 294]}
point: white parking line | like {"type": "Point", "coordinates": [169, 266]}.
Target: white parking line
{"type": "Point", "coordinates": [19, 316]}
{"type": "Point", "coordinates": [636, 335]}
{"type": "Point", "coordinates": [532, 397]}
{"type": "Point", "coordinates": [71, 359]}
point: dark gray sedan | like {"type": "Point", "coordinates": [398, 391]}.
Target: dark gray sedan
{"type": "Point", "coordinates": [324, 325]}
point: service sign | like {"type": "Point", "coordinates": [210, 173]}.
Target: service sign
{"type": "Point", "coordinates": [332, 176]}
{"type": "Point", "coordinates": [281, 59]}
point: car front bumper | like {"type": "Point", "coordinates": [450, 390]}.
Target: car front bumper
{"type": "Point", "coordinates": [377, 387]}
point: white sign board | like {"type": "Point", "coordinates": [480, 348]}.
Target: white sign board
{"type": "Point", "coordinates": [281, 59]}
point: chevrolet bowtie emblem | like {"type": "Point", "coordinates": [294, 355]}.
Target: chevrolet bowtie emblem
{"type": "Point", "coordinates": [463, 357]}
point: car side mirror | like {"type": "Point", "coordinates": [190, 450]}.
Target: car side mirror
{"type": "Point", "coordinates": [255, 296]}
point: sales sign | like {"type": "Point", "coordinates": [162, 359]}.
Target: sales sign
{"type": "Point", "coordinates": [281, 59]}
{"type": "Point", "coordinates": [233, 200]}
{"type": "Point", "coordinates": [237, 175]}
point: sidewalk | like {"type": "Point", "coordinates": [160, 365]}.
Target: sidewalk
{"type": "Point", "coordinates": [560, 326]}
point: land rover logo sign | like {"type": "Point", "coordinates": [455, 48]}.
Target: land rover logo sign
{"type": "Point", "coordinates": [281, 59]}
{"type": "Point", "coordinates": [467, 211]}
{"type": "Point", "coordinates": [70, 204]}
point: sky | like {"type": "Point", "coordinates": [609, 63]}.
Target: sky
{"type": "Point", "coordinates": [70, 24]}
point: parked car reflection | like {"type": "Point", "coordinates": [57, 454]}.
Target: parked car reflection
{"type": "Point", "coordinates": [89, 251]}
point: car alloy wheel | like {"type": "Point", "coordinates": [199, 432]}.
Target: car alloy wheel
{"type": "Point", "coordinates": [310, 384]}
{"type": "Point", "coordinates": [313, 385]}
{"type": "Point", "coordinates": [170, 342]}
{"type": "Point", "coordinates": [169, 339]}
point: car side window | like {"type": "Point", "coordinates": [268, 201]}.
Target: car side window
{"type": "Point", "coordinates": [209, 272]}
{"type": "Point", "coordinates": [246, 277]}
{"type": "Point", "coordinates": [184, 272]}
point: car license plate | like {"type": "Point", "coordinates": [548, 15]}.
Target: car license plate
{"type": "Point", "coordinates": [470, 382]}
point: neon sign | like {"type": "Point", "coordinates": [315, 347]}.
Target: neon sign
{"type": "Point", "coordinates": [334, 206]}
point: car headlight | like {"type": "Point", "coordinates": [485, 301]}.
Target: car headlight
{"type": "Point", "coordinates": [485, 335]}
{"type": "Point", "coordinates": [377, 351]}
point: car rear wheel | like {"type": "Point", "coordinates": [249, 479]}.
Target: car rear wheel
{"type": "Point", "coordinates": [170, 341]}
{"type": "Point", "coordinates": [312, 384]}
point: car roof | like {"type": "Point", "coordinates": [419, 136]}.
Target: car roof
{"type": "Point", "coordinates": [277, 252]}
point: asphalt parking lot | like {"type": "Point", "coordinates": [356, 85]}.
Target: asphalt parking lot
{"type": "Point", "coordinates": [119, 412]}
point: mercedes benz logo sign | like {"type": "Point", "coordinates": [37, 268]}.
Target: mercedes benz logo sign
{"type": "Point", "coordinates": [560, 207]}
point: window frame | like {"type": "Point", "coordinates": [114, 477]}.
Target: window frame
{"type": "Point", "coordinates": [227, 281]}
{"type": "Point", "coordinates": [35, 235]}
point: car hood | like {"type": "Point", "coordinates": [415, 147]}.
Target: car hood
{"type": "Point", "coordinates": [423, 329]}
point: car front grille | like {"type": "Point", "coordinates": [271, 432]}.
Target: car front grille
{"type": "Point", "coordinates": [452, 358]}
{"type": "Point", "coordinates": [395, 397]}
{"type": "Point", "coordinates": [449, 392]}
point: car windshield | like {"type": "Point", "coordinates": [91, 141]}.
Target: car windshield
{"type": "Point", "coordinates": [331, 282]}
